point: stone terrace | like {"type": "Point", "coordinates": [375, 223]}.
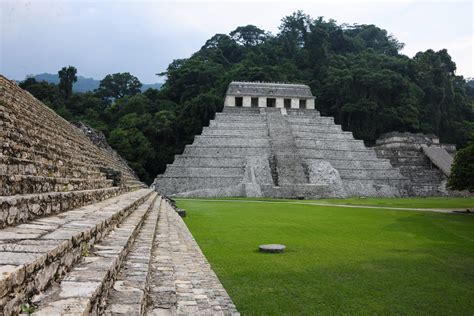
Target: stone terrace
{"type": "Point", "coordinates": [80, 234]}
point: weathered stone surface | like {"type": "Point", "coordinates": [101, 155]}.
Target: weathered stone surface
{"type": "Point", "coordinates": [182, 279]}
{"type": "Point", "coordinates": [57, 245]}
{"type": "Point", "coordinates": [322, 172]}
{"type": "Point", "coordinates": [90, 280]}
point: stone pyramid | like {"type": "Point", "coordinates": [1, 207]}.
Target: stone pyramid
{"type": "Point", "coordinates": [279, 152]}
{"type": "Point", "coordinates": [77, 225]}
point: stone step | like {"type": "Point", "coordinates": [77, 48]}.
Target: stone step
{"type": "Point", "coordinates": [40, 118]}
{"type": "Point", "coordinates": [13, 166]}
{"type": "Point", "coordinates": [316, 120]}
{"type": "Point", "coordinates": [330, 128]}
{"type": "Point", "coordinates": [225, 151]}
{"type": "Point", "coordinates": [257, 120]}
{"type": "Point", "coordinates": [373, 187]}
{"type": "Point", "coordinates": [376, 163]}
{"type": "Point", "coordinates": [38, 135]}
{"type": "Point", "coordinates": [195, 171]}
{"type": "Point", "coordinates": [13, 151]}
{"type": "Point", "coordinates": [302, 112]}
{"type": "Point", "coordinates": [257, 132]}
{"type": "Point", "coordinates": [370, 174]}
{"type": "Point", "coordinates": [172, 185]}
{"type": "Point", "coordinates": [198, 161]}
{"type": "Point", "coordinates": [425, 175]}
{"type": "Point", "coordinates": [35, 136]}
{"type": "Point", "coordinates": [231, 141]}
{"type": "Point", "coordinates": [78, 144]}
{"type": "Point", "coordinates": [33, 255]}
{"type": "Point", "coordinates": [232, 110]}
{"type": "Point", "coordinates": [29, 118]}
{"type": "Point", "coordinates": [223, 117]}
{"type": "Point", "coordinates": [399, 153]}
{"type": "Point", "coordinates": [237, 125]}
{"type": "Point", "coordinates": [23, 208]}
{"type": "Point", "coordinates": [416, 168]}
{"type": "Point", "coordinates": [341, 144]}
{"type": "Point", "coordinates": [25, 184]}
{"type": "Point", "coordinates": [183, 282]}
{"type": "Point", "coordinates": [418, 162]}
{"type": "Point", "coordinates": [349, 155]}
{"type": "Point", "coordinates": [84, 290]}
{"type": "Point", "coordinates": [427, 189]}
{"type": "Point", "coordinates": [128, 295]}
{"type": "Point", "coordinates": [323, 135]}
{"type": "Point", "coordinates": [240, 116]}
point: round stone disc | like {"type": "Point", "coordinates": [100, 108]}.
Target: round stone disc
{"type": "Point", "coordinates": [272, 248]}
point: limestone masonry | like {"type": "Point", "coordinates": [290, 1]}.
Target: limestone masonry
{"type": "Point", "coordinates": [80, 234]}
{"type": "Point", "coordinates": [283, 148]}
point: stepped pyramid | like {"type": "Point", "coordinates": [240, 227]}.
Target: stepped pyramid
{"type": "Point", "coordinates": [80, 234]}
{"type": "Point", "coordinates": [269, 141]}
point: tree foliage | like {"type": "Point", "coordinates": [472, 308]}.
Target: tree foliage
{"type": "Point", "coordinates": [118, 85]}
{"type": "Point", "coordinates": [462, 171]}
{"type": "Point", "coordinates": [356, 73]}
{"type": "Point", "coordinates": [67, 77]}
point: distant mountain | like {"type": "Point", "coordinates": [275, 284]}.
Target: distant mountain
{"type": "Point", "coordinates": [84, 84]}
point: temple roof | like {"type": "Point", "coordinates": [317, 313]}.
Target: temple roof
{"type": "Point", "coordinates": [267, 89]}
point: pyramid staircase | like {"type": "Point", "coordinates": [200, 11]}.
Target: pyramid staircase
{"type": "Point", "coordinates": [75, 241]}
{"type": "Point", "coordinates": [278, 153]}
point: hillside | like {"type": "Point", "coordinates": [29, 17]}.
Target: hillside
{"type": "Point", "coordinates": [84, 84]}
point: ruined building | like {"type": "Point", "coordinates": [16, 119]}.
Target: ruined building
{"type": "Point", "coordinates": [80, 234]}
{"type": "Point", "coordinates": [271, 142]}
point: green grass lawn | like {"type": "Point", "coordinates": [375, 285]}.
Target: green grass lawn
{"type": "Point", "coordinates": [339, 260]}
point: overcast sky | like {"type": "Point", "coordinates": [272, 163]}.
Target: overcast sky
{"type": "Point", "coordinates": [143, 37]}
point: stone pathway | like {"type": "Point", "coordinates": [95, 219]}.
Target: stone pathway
{"type": "Point", "coordinates": [182, 281]}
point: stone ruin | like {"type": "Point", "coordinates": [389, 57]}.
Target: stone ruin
{"type": "Point", "coordinates": [80, 234]}
{"type": "Point", "coordinates": [270, 142]}
{"type": "Point", "coordinates": [422, 159]}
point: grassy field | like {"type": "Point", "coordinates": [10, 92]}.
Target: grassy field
{"type": "Point", "coordinates": [340, 260]}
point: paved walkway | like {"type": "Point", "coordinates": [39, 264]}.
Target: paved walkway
{"type": "Point", "coordinates": [449, 211]}
{"type": "Point", "coordinates": [182, 279]}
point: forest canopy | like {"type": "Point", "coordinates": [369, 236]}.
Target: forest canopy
{"type": "Point", "coordinates": [356, 72]}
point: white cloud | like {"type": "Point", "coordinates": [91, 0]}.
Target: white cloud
{"type": "Point", "coordinates": [142, 37]}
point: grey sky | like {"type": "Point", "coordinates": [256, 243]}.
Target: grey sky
{"type": "Point", "coordinates": [143, 37]}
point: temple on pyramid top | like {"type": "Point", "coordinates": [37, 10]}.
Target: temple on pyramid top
{"type": "Point", "coordinates": [269, 95]}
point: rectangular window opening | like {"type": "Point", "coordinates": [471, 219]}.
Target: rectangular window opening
{"type": "Point", "coordinates": [271, 102]}
{"type": "Point", "coordinates": [302, 104]}
{"type": "Point", "coordinates": [254, 102]}
{"type": "Point", "coordinates": [239, 101]}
